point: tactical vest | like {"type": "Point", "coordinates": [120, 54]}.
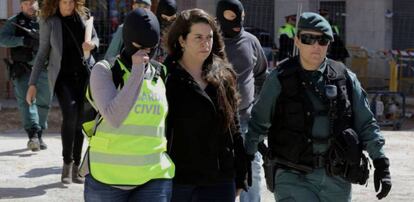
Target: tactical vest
{"type": "Point", "coordinates": [21, 53]}
{"type": "Point", "coordinates": [290, 138]}
{"type": "Point", "coordinates": [287, 29]}
{"type": "Point", "coordinates": [134, 153]}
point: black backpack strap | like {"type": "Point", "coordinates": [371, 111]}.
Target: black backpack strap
{"type": "Point", "coordinates": [160, 70]}
{"type": "Point", "coordinates": [117, 74]}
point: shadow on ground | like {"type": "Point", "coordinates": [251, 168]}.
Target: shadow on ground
{"type": "Point", "coordinates": [17, 152]}
{"type": "Point", "coordinates": [39, 172]}
{"type": "Point", "coordinates": [13, 193]}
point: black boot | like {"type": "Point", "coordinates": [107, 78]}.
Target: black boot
{"type": "Point", "coordinates": [43, 145]}
{"type": "Point", "coordinates": [33, 143]}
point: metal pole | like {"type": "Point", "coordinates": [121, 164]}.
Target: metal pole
{"type": "Point", "coordinates": [298, 13]}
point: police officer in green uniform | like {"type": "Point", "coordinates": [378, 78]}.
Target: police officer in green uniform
{"type": "Point", "coordinates": [318, 121]}
{"type": "Point", "coordinates": [286, 34]}
{"type": "Point", "coordinates": [20, 34]}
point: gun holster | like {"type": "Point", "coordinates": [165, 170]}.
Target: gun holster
{"type": "Point", "coordinates": [269, 167]}
{"type": "Point", "coordinates": [346, 159]}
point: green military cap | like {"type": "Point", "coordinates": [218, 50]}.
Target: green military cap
{"type": "Point", "coordinates": [314, 22]}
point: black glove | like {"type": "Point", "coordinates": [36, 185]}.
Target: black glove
{"type": "Point", "coordinates": [382, 175]}
{"type": "Point", "coordinates": [250, 158]}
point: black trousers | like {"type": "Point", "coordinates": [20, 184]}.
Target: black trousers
{"type": "Point", "coordinates": [70, 92]}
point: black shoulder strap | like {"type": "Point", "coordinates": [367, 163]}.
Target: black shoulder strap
{"type": "Point", "coordinates": [160, 70]}
{"type": "Point", "coordinates": [337, 72]}
{"type": "Point", "coordinates": [339, 76]}
{"type": "Point", "coordinates": [117, 74]}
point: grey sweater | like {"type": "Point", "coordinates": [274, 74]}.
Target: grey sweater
{"type": "Point", "coordinates": [51, 48]}
{"type": "Point", "coordinates": [246, 55]}
{"type": "Point", "coordinates": [113, 104]}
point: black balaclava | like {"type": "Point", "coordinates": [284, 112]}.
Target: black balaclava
{"type": "Point", "coordinates": [168, 8]}
{"type": "Point", "coordinates": [226, 25]}
{"type": "Point", "coordinates": [142, 27]}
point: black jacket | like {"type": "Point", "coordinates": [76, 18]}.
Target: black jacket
{"type": "Point", "coordinates": [203, 151]}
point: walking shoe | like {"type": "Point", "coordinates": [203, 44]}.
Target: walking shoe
{"type": "Point", "coordinates": [66, 173]}
{"type": "Point", "coordinates": [33, 144]}
{"type": "Point", "coordinates": [76, 178]}
{"type": "Point", "coordinates": [43, 145]}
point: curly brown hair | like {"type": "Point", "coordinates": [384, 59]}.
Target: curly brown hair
{"type": "Point", "coordinates": [216, 68]}
{"type": "Point", "coordinates": [50, 8]}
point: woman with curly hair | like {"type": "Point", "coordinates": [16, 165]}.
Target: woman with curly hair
{"type": "Point", "coordinates": [203, 130]}
{"type": "Point", "coordinates": [61, 45]}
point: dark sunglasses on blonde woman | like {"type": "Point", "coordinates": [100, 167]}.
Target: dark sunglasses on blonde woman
{"type": "Point", "coordinates": [310, 39]}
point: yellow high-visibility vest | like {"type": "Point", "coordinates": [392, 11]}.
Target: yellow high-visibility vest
{"type": "Point", "coordinates": [134, 153]}
{"type": "Point", "coordinates": [287, 29]}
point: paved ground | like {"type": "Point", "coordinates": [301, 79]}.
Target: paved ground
{"type": "Point", "coordinates": [29, 176]}
{"type": "Point", "coordinates": [33, 176]}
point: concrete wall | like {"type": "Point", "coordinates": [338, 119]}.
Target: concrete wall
{"type": "Point", "coordinates": [186, 4]}
{"type": "Point", "coordinates": [367, 25]}
{"type": "Point", "coordinates": [209, 6]}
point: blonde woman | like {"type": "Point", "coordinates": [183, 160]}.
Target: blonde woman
{"type": "Point", "coordinates": [62, 31]}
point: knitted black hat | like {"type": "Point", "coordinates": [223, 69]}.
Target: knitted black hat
{"type": "Point", "coordinates": [142, 27]}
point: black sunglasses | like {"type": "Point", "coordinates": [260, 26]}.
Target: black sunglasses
{"type": "Point", "coordinates": [310, 39]}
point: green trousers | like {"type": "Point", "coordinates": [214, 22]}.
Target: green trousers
{"type": "Point", "coordinates": [292, 186]}
{"type": "Point", "coordinates": [34, 116]}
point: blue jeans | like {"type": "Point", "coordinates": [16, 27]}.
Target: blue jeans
{"type": "Point", "coordinates": [253, 194]}
{"type": "Point", "coordinates": [34, 116]}
{"type": "Point", "coordinates": [220, 192]}
{"type": "Point", "coordinates": [157, 190]}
